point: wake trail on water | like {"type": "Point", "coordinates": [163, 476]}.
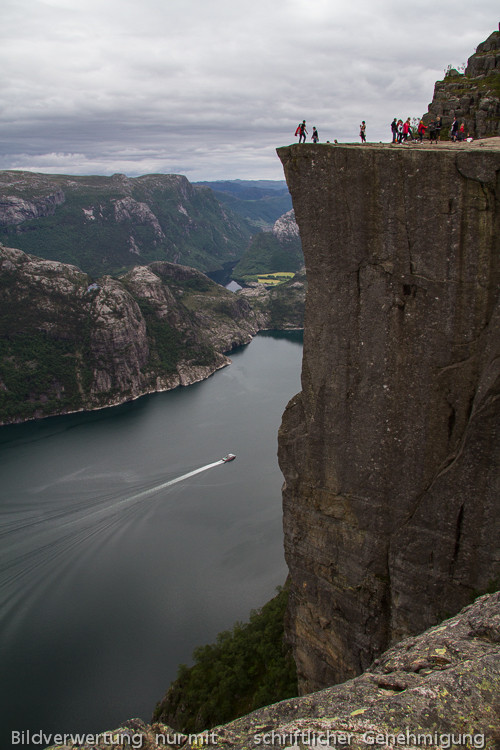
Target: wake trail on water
{"type": "Point", "coordinates": [34, 542]}
{"type": "Point", "coordinates": [160, 487]}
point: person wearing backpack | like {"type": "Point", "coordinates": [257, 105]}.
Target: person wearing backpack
{"type": "Point", "coordinates": [301, 131]}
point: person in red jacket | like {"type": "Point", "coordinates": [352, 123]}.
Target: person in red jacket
{"type": "Point", "coordinates": [301, 131]}
{"type": "Point", "coordinates": [406, 130]}
{"type": "Point", "coordinates": [421, 130]}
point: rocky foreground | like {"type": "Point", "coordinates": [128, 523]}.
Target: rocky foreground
{"type": "Point", "coordinates": [438, 690]}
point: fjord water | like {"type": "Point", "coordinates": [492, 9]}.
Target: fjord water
{"type": "Point", "coordinates": [109, 578]}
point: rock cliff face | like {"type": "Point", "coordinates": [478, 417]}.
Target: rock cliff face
{"type": "Point", "coordinates": [473, 96]}
{"type": "Point", "coordinates": [391, 451]}
{"type": "Point", "coordinates": [67, 344]}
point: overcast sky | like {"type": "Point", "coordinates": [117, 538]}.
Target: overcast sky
{"type": "Point", "coordinates": [209, 88]}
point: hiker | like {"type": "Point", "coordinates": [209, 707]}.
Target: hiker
{"type": "Point", "coordinates": [315, 136]}
{"type": "Point", "coordinates": [400, 131]}
{"type": "Point", "coordinates": [439, 125]}
{"type": "Point", "coordinates": [362, 131]}
{"type": "Point", "coordinates": [432, 131]}
{"type": "Point", "coordinates": [301, 131]}
{"type": "Point", "coordinates": [421, 130]}
{"type": "Point", "coordinates": [407, 130]}
{"type": "Point", "coordinates": [394, 130]}
{"type": "Point", "coordinates": [454, 129]}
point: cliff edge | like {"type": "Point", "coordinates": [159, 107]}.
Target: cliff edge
{"type": "Point", "coordinates": [391, 451]}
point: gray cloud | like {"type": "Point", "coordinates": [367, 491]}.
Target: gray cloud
{"type": "Point", "coordinates": [210, 89]}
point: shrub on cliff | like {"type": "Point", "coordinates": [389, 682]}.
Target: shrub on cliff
{"type": "Point", "coordinates": [248, 667]}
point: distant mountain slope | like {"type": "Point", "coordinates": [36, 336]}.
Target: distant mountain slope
{"type": "Point", "coordinates": [278, 250]}
{"type": "Point", "coordinates": [67, 344]}
{"type": "Point", "coordinates": [260, 202]}
{"type": "Point", "coordinates": [109, 224]}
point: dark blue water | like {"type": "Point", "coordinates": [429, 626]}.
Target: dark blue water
{"type": "Point", "coordinates": [108, 583]}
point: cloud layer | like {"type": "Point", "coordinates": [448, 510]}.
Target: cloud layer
{"type": "Point", "coordinates": [209, 89]}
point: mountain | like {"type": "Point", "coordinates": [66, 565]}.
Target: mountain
{"type": "Point", "coordinates": [259, 202]}
{"type": "Point", "coordinates": [269, 252]}
{"type": "Point", "coordinates": [109, 224]}
{"type": "Point", "coordinates": [69, 343]}
{"type": "Point", "coordinates": [472, 96]}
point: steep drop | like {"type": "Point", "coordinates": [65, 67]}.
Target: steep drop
{"type": "Point", "coordinates": [391, 451]}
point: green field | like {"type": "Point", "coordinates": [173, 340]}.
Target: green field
{"type": "Point", "coordinates": [275, 278]}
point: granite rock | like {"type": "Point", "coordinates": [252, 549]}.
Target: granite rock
{"type": "Point", "coordinates": [390, 453]}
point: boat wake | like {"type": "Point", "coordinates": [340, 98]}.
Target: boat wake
{"type": "Point", "coordinates": [33, 538]}
{"type": "Point", "coordinates": [159, 487]}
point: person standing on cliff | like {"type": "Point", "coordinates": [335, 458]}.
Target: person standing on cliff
{"type": "Point", "coordinates": [400, 131]}
{"type": "Point", "coordinates": [407, 130]}
{"type": "Point", "coordinates": [432, 131]}
{"type": "Point", "coordinates": [421, 130]}
{"type": "Point", "coordinates": [439, 125]}
{"type": "Point", "coordinates": [315, 136]}
{"type": "Point", "coordinates": [454, 129]}
{"type": "Point", "coordinates": [362, 131]}
{"type": "Point", "coordinates": [394, 130]}
{"type": "Point", "coordinates": [301, 131]}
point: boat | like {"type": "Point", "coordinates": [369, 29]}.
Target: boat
{"type": "Point", "coordinates": [229, 457]}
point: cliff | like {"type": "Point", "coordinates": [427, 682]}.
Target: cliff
{"type": "Point", "coordinates": [474, 95]}
{"type": "Point", "coordinates": [438, 690]}
{"type": "Point", "coordinates": [390, 453]}
{"type": "Point", "coordinates": [108, 224]}
{"type": "Point", "coordinates": [67, 343]}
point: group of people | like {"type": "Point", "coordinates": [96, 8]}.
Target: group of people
{"type": "Point", "coordinates": [401, 131]}
{"type": "Point", "coordinates": [302, 132]}
{"type": "Point", "coordinates": [457, 132]}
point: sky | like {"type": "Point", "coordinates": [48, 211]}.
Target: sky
{"type": "Point", "coordinates": [210, 88]}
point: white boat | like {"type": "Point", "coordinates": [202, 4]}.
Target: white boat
{"type": "Point", "coordinates": [229, 457]}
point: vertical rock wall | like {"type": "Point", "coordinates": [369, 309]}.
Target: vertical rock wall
{"type": "Point", "coordinates": [391, 451]}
